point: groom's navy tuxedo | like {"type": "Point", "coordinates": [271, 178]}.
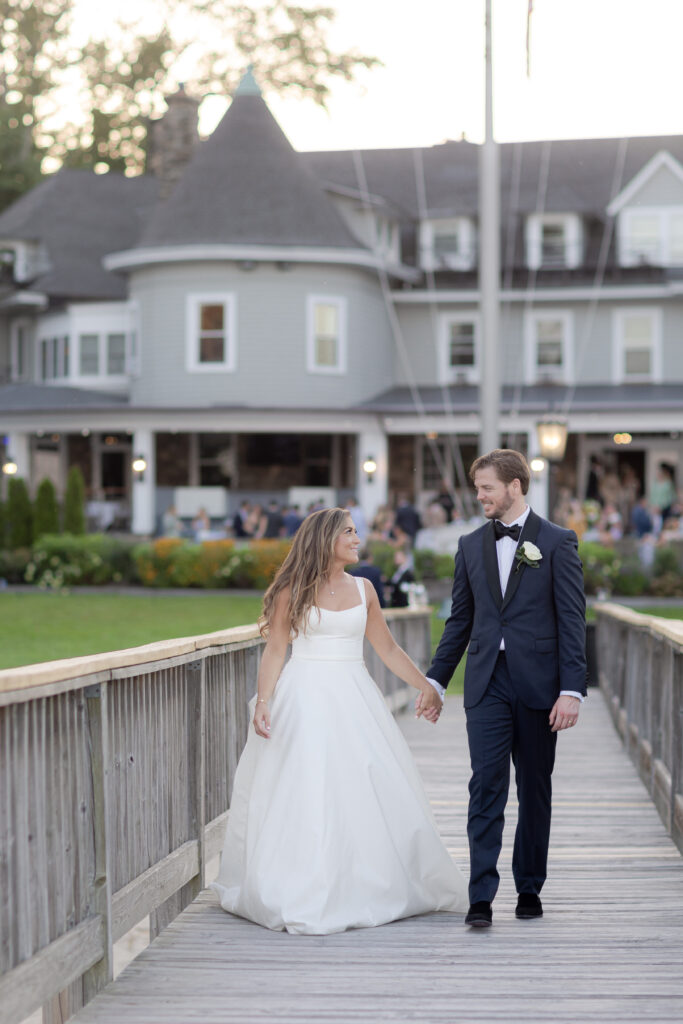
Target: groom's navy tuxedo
{"type": "Point", "coordinates": [509, 694]}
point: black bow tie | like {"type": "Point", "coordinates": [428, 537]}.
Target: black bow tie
{"type": "Point", "coordinates": [502, 530]}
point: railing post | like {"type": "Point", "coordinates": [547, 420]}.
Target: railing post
{"type": "Point", "coordinates": [196, 731]}
{"type": "Point", "coordinates": [677, 752]}
{"type": "Point", "coordinates": [100, 974]}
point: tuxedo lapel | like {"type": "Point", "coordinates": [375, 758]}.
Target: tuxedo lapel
{"type": "Point", "coordinates": [530, 533]}
{"type": "Point", "coordinates": [491, 563]}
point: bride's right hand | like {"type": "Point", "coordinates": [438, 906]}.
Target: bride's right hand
{"type": "Point", "coordinates": [262, 720]}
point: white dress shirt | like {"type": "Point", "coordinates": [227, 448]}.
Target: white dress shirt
{"type": "Point", "coordinates": [505, 552]}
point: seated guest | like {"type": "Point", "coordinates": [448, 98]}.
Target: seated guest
{"type": "Point", "coordinates": [365, 567]}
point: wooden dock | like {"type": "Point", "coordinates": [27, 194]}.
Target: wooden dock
{"type": "Point", "coordinates": [609, 949]}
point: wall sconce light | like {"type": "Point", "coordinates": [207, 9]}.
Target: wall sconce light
{"type": "Point", "coordinates": [623, 438]}
{"type": "Point", "coordinates": [370, 468]}
{"type": "Point", "coordinates": [139, 467]}
{"type": "Point", "coordinates": [552, 438]}
{"type": "Point", "coordinates": [9, 466]}
{"type": "Point", "coordinates": [538, 465]}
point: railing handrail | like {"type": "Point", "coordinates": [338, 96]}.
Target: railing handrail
{"type": "Point", "coordinates": [640, 663]}
{"type": "Point", "coordinates": [116, 772]}
{"type": "Point", "coordinates": [24, 678]}
{"type": "Point", "coordinates": [671, 629]}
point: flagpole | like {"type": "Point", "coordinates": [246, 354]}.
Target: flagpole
{"type": "Point", "coordinates": [489, 265]}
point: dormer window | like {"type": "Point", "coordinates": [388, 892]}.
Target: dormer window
{"type": "Point", "coordinates": [387, 239]}
{"type": "Point", "coordinates": [447, 243]}
{"type": "Point", "coordinates": [553, 241]}
{"type": "Point", "coordinates": [651, 236]}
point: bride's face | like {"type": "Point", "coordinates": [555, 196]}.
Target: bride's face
{"type": "Point", "coordinates": [347, 543]}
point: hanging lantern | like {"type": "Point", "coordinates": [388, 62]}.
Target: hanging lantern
{"type": "Point", "coordinates": [552, 438]}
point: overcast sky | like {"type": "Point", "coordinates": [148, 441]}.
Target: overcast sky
{"type": "Point", "coordinates": [598, 68]}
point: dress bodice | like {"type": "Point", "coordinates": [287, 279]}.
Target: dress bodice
{"type": "Point", "coordinates": [333, 636]}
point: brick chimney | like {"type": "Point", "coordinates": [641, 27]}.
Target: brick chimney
{"type": "Point", "coordinates": [172, 139]}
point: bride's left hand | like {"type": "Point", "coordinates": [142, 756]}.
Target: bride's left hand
{"type": "Point", "coordinates": [428, 704]}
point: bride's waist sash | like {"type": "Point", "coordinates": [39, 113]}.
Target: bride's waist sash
{"type": "Point", "coordinates": [319, 650]}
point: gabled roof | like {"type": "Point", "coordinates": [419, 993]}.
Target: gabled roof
{"type": "Point", "coordinates": [659, 161]}
{"type": "Point", "coordinates": [79, 217]}
{"type": "Point", "coordinates": [581, 174]}
{"type": "Point", "coordinates": [246, 185]}
{"type": "Point", "coordinates": [40, 398]}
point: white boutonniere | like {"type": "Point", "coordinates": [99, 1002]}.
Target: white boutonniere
{"type": "Point", "coordinates": [528, 554]}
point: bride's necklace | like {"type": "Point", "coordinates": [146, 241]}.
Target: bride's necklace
{"type": "Point", "coordinates": [330, 586]}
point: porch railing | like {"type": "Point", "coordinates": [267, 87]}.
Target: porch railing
{"type": "Point", "coordinates": [640, 661]}
{"type": "Point", "coordinates": [115, 779]}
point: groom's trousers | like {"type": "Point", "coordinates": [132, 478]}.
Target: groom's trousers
{"type": "Point", "coordinates": [500, 726]}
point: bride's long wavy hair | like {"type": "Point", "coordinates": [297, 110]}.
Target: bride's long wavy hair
{"type": "Point", "coordinates": [307, 564]}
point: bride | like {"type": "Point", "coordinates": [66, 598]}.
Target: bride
{"type": "Point", "coordinates": [329, 827]}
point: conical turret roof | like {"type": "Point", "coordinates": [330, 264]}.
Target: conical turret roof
{"type": "Point", "coordinates": [246, 185]}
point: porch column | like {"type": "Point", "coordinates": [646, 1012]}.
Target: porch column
{"type": "Point", "coordinates": [372, 493]}
{"type": "Point", "coordinates": [537, 498]}
{"type": "Point", "coordinates": [143, 518]}
{"type": "Point", "coordinates": [18, 447]}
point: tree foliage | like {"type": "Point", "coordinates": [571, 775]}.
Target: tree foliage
{"type": "Point", "coordinates": [125, 73]}
{"type": "Point", "coordinates": [19, 514]}
{"type": "Point", "coordinates": [33, 53]}
{"type": "Point", "coordinates": [45, 510]}
{"type": "Point", "coordinates": [74, 502]}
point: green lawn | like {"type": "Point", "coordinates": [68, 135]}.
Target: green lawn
{"type": "Point", "coordinates": [43, 627]}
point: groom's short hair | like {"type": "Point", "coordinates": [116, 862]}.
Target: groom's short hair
{"type": "Point", "coordinates": [508, 464]}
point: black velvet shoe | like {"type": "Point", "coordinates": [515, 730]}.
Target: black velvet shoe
{"type": "Point", "coordinates": [528, 906]}
{"type": "Point", "coordinates": [480, 915]}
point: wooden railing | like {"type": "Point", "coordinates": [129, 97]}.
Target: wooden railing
{"type": "Point", "coordinates": [640, 660]}
{"type": "Point", "coordinates": [115, 778]}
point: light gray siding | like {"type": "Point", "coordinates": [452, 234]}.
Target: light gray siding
{"type": "Point", "coordinates": [271, 336]}
{"type": "Point", "coordinates": [662, 189]}
{"type": "Point", "coordinates": [593, 338]}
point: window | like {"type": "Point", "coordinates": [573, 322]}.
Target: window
{"type": "Point", "coordinates": [637, 345]}
{"type": "Point", "coordinates": [326, 348]}
{"type": "Point", "coordinates": [549, 346]}
{"type": "Point", "coordinates": [210, 333]}
{"type": "Point", "coordinates": [116, 353]}
{"type": "Point", "coordinates": [447, 243]}
{"type": "Point", "coordinates": [651, 236]}
{"type": "Point", "coordinates": [554, 241]}
{"type": "Point", "coordinates": [458, 342]}
{"type": "Point", "coordinates": [90, 355]}
{"type": "Point", "coordinates": [19, 349]}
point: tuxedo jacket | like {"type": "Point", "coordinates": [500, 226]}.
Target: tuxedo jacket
{"type": "Point", "coordinates": [542, 617]}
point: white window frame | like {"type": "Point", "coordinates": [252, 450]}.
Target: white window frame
{"type": "Point", "coordinates": [573, 240]}
{"type": "Point", "coordinates": [619, 316]}
{"type": "Point", "coordinates": [193, 304]}
{"type": "Point", "coordinates": [463, 258]}
{"type": "Point", "coordinates": [340, 368]}
{"type": "Point", "coordinates": [449, 374]}
{"type": "Point", "coordinates": [663, 214]}
{"type": "Point", "coordinates": [22, 323]}
{"type": "Point", "coordinates": [532, 373]}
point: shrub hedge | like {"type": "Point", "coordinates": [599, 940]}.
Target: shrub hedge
{"type": "Point", "coordinates": [59, 561]}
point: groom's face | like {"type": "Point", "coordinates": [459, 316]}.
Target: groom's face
{"type": "Point", "coordinates": [496, 497]}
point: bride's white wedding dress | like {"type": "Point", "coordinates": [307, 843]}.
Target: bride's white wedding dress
{"type": "Point", "coordinates": [329, 825]}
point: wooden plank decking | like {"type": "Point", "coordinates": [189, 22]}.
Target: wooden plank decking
{"type": "Point", "coordinates": [609, 949]}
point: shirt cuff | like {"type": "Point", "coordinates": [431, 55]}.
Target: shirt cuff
{"type": "Point", "coordinates": [441, 690]}
{"type": "Point", "coordinates": [567, 693]}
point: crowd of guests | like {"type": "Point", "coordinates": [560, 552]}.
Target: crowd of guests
{"type": "Point", "coordinates": [616, 505]}
{"type": "Point", "coordinates": [396, 526]}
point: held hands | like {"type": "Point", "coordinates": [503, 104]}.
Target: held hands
{"type": "Point", "coordinates": [429, 704]}
{"type": "Point", "coordinates": [262, 720]}
{"type": "Point", "coordinates": [565, 713]}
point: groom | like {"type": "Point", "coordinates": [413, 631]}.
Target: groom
{"type": "Point", "coordinates": [518, 602]}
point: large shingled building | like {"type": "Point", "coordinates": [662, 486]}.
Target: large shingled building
{"type": "Point", "coordinates": [259, 322]}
